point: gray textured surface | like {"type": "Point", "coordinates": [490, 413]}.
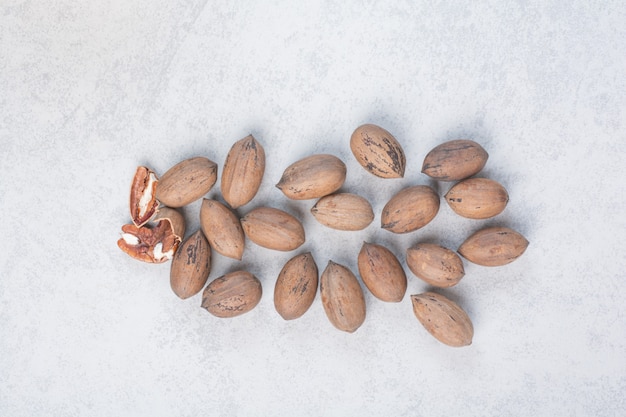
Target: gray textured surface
{"type": "Point", "coordinates": [90, 90]}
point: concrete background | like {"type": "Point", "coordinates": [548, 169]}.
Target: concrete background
{"type": "Point", "coordinates": [90, 90]}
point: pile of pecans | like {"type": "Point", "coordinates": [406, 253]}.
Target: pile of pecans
{"type": "Point", "coordinates": [158, 229]}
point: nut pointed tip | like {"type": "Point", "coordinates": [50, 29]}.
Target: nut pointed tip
{"type": "Point", "coordinates": [181, 296]}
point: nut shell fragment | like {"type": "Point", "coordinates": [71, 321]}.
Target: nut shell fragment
{"type": "Point", "coordinates": [243, 171]}
{"type": "Point", "coordinates": [176, 219]}
{"type": "Point", "coordinates": [143, 202]}
{"type": "Point", "coordinates": [342, 297]}
{"type": "Point", "coordinates": [313, 177]}
{"type": "Point", "coordinates": [186, 182]}
{"type": "Point", "coordinates": [296, 286]}
{"type": "Point", "coordinates": [443, 319]}
{"type": "Point", "coordinates": [455, 160]}
{"type": "Point", "coordinates": [232, 295]}
{"type": "Point", "coordinates": [378, 151]}
{"type": "Point", "coordinates": [191, 266]}
{"type": "Point", "coordinates": [493, 246]}
{"type": "Point", "coordinates": [156, 244]}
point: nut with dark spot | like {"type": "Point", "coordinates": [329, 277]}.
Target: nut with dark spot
{"type": "Point", "coordinates": [443, 318]}
{"type": "Point", "coordinates": [455, 160]}
{"type": "Point", "coordinates": [343, 211]}
{"type": "Point", "coordinates": [382, 273]}
{"type": "Point", "coordinates": [410, 209]}
{"type": "Point", "coordinates": [243, 171]}
{"type": "Point", "coordinates": [313, 177]}
{"type": "Point", "coordinates": [186, 182]}
{"type": "Point", "coordinates": [378, 151]}
{"type": "Point", "coordinates": [222, 229]}
{"type": "Point", "coordinates": [435, 264]}
{"type": "Point", "coordinates": [232, 295]}
{"type": "Point", "coordinates": [273, 229]}
{"type": "Point", "coordinates": [493, 246]}
{"type": "Point", "coordinates": [296, 286]}
{"type": "Point", "coordinates": [191, 266]}
{"type": "Point", "coordinates": [477, 198]}
{"type": "Point", "coordinates": [342, 297]}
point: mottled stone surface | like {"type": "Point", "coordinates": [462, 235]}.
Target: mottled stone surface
{"type": "Point", "coordinates": [90, 90]}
